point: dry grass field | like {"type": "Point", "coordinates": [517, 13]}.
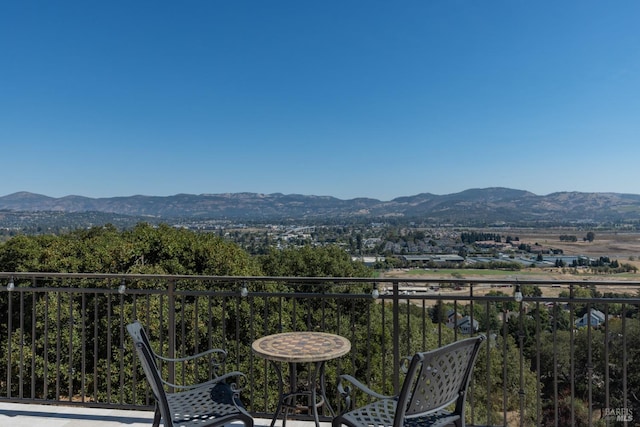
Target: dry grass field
{"type": "Point", "coordinates": [619, 245]}
{"type": "Point", "coordinates": [622, 246]}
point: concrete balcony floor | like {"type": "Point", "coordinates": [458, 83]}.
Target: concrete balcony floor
{"type": "Point", "coordinates": [30, 415]}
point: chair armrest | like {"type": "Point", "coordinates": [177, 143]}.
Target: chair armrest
{"type": "Point", "coordinates": [221, 378]}
{"type": "Point", "coordinates": [405, 361]}
{"type": "Point", "coordinates": [345, 391]}
{"type": "Point", "coordinates": [221, 353]}
{"type": "Point", "coordinates": [216, 361]}
{"type": "Point", "coordinates": [190, 386]}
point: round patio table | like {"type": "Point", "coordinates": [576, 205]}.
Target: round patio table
{"type": "Point", "coordinates": [314, 348]}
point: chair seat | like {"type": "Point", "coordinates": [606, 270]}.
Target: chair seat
{"type": "Point", "coordinates": [382, 413]}
{"type": "Point", "coordinates": [194, 407]}
{"type": "Point", "coordinates": [435, 419]}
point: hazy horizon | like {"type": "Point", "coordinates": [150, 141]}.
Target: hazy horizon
{"type": "Point", "coordinates": [312, 195]}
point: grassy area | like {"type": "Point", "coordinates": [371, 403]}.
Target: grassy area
{"type": "Point", "coordinates": [462, 273]}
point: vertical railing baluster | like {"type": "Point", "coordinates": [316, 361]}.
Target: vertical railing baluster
{"type": "Point", "coordinates": [148, 395]}
{"type": "Point", "coordinates": [21, 344]}
{"type": "Point", "coordinates": [625, 361]}
{"type": "Point", "coordinates": [252, 335]}
{"type": "Point", "coordinates": [396, 337]}
{"type": "Point", "coordinates": [171, 328]}
{"type": "Point", "coordinates": [440, 319]}
{"type": "Point", "coordinates": [572, 353]}
{"type": "Point", "coordinates": [521, 392]}
{"type": "Point", "coordinates": [122, 348]}
{"type": "Point", "coordinates": [554, 332]}
{"type": "Point", "coordinates": [128, 347]}
{"type": "Point", "coordinates": [423, 345]}
{"type": "Point", "coordinates": [538, 366]}
{"type": "Point", "coordinates": [383, 316]}
{"type": "Point", "coordinates": [45, 351]}
{"type": "Point", "coordinates": [487, 349]}
{"type": "Point", "coordinates": [58, 342]}
{"type": "Point", "coordinates": [33, 337]}
{"type": "Point", "coordinates": [607, 401]}
{"type": "Point", "coordinates": [183, 333]}
{"type": "Point", "coordinates": [70, 369]}
{"type": "Point", "coordinates": [505, 401]}
{"type": "Point", "coordinates": [83, 346]}
{"type": "Point", "coordinates": [196, 326]}
{"type": "Point", "coordinates": [589, 370]}
{"type": "Point", "coordinates": [96, 331]}
{"type": "Point", "coordinates": [9, 340]}
{"type": "Point", "coordinates": [294, 315]}
{"type": "Point", "coordinates": [109, 347]}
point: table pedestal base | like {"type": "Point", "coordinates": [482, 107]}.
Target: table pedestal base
{"type": "Point", "coordinates": [316, 394]}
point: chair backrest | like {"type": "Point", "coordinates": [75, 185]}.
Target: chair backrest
{"type": "Point", "coordinates": [438, 378]}
{"type": "Point", "coordinates": [145, 338]}
{"type": "Point", "coordinates": [150, 368]}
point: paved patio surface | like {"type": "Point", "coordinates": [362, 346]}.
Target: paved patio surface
{"type": "Point", "coordinates": [23, 415]}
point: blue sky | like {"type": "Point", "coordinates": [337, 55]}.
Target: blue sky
{"type": "Point", "coordinates": [342, 98]}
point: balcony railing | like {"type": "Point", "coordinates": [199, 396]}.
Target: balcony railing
{"type": "Point", "coordinates": [567, 353]}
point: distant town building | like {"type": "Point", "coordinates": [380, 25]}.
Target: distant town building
{"type": "Point", "coordinates": [368, 260]}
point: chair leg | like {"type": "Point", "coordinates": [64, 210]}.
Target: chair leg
{"type": "Point", "coordinates": [156, 417]}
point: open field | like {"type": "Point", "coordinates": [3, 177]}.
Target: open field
{"type": "Point", "coordinates": [622, 246]}
{"type": "Point", "coordinates": [619, 245]}
{"type": "Point", "coordinates": [545, 274]}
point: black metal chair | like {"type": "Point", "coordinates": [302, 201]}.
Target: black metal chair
{"type": "Point", "coordinates": [435, 380]}
{"type": "Point", "coordinates": [208, 404]}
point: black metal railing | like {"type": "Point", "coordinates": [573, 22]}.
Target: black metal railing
{"type": "Point", "coordinates": [567, 353]}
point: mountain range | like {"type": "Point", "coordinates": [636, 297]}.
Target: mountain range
{"type": "Point", "coordinates": [487, 205]}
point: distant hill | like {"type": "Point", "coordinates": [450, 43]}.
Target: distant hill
{"type": "Point", "coordinates": [487, 205]}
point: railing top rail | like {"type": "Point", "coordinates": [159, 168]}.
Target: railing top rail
{"type": "Point", "coordinates": [308, 280]}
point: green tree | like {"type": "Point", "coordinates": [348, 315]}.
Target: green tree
{"type": "Point", "coordinates": [144, 249]}
{"type": "Point", "coordinates": [327, 261]}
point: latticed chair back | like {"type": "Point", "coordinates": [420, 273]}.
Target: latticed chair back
{"type": "Point", "coordinates": [438, 378]}
{"type": "Point", "coordinates": [435, 380]}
